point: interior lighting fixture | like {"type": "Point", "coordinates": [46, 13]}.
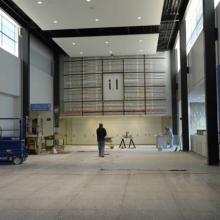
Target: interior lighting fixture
{"type": "Point", "coordinates": [140, 41]}
{"type": "Point", "coordinates": [139, 18]}
{"type": "Point", "coordinates": [81, 53]}
{"type": "Point", "coordinates": [88, 0]}
{"type": "Point", "coordinates": [74, 44]}
{"type": "Point", "coordinates": [97, 19]}
{"type": "Point", "coordinates": [106, 42]}
{"type": "Point", "coordinates": [39, 2]}
{"type": "Point", "coordinates": [55, 21]}
{"type": "Point", "coordinates": [141, 50]}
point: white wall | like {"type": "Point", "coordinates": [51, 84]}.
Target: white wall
{"type": "Point", "coordinates": [41, 85]}
{"type": "Point", "coordinates": [10, 74]}
{"type": "Point", "coordinates": [82, 130]}
{"type": "Point", "coordinates": [10, 85]}
{"type": "Point", "coordinates": [41, 81]}
{"type": "Point", "coordinates": [196, 65]}
{"type": "Point", "coordinates": [168, 88]}
{"type": "Point", "coordinates": [41, 73]}
{"type": "Point", "coordinates": [10, 90]}
{"type": "Point", "coordinates": [196, 78]}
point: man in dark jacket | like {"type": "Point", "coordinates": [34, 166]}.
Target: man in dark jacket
{"type": "Point", "coordinates": [101, 134]}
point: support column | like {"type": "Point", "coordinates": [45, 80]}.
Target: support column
{"type": "Point", "coordinates": [210, 82]}
{"type": "Point", "coordinates": [174, 92]}
{"type": "Point", "coordinates": [184, 88]}
{"type": "Point", "coordinates": [56, 90]}
{"type": "Point", "coordinates": [25, 60]}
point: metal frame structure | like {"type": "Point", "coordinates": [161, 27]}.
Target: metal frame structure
{"type": "Point", "coordinates": [143, 84]}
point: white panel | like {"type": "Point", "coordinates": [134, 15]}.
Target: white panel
{"type": "Point", "coordinates": [9, 108]}
{"type": "Point", "coordinates": [7, 104]}
{"type": "Point", "coordinates": [113, 87]}
{"type": "Point", "coordinates": [41, 71]}
{"type": "Point", "coordinates": [72, 14]}
{"type": "Point", "coordinates": [10, 74]}
{"type": "Point", "coordinates": [41, 86]}
{"type": "Point", "coordinates": [196, 68]}
{"type": "Point", "coordinates": [82, 130]}
{"type": "Point", "coordinates": [119, 45]}
{"type": "Point", "coordinates": [40, 56]}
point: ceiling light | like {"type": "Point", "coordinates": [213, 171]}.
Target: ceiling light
{"type": "Point", "coordinates": [88, 0]}
{"type": "Point", "coordinates": [140, 41]}
{"type": "Point", "coordinates": [55, 21]}
{"type": "Point", "coordinates": [97, 20]}
{"type": "Point", "coordinates": [110, 52]}
{"type": "Point", "coordinates": [141, 51]}
{"type": "Point", "coordinates": [81, 53]}
{"type": "Point", "coordinates": [106, 42]}
{"type": "Point", "coordinates": [39, 2]}
{"type": "Point", "coordinates": [139, 18]}
{"type": "Point", "coordinates": [74, 43]}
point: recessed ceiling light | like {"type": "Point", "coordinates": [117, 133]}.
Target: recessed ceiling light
{"type": "Point", "coordinates": [88, 0]}
{"type": "Point", "coordinates": [140, 41]}
{"type": "Point", "coordinates": [141, 50]}
{"type": "Point", "coordinates": [106, 42]}
{"type": "Point", "coordinates": [110, 52]}
{"type": "Point", "coordinates": [97, 19]}
{"type": "Point", "coordinates": [139, 18]}
{"type": "Point", "coordinates": [39, 2]}
{"type": "Point", "coordinates": [55, 21]}
{"type": "Point", "coordinates": [74, 43]}
{"type": "Point", "coordinates": [81, 53]}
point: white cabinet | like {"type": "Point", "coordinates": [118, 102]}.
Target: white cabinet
{"type": "Point", "coordinates": [113, 86]}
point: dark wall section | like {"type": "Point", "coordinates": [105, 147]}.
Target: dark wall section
{"type": "Point", "coordinates": [184, 88]}
{"type": "Point", "coordinates": [56, 89]}
{"type": "Point", "coordinates": [174, 88]}
{"type": "Point", "coordinates": [210, 81]}
{"type": "Point", "coordinates": [25, 73]}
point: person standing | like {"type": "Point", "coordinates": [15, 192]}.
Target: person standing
{"type": "Point", "coordinates": [101, 134]}
{"type": "Point", "coordinates": [169, 134]}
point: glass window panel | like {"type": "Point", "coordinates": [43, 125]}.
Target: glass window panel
{"type": "Point", "coordinates": [8, 34]}
{"type": "Point", "coordinates": [8, 29]}
{"type": "Point", "coordinates": [194, 22]}
{"type": "Point", "coordinates": [8, 44]}
{"type": "Point", "coordinates": [216, 2]}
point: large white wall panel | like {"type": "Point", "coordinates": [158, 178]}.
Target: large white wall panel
{"type": "Point", "coordinates": [7, 104]}
{"type": "Point", "coordinates": [41, 85]}
{"type": "Point", "coordinates": [82, 130]}
{"type": "Point", "coordinates": [196, 64]}
{"type": "Point", "coordinates": [41, 71]}
{"type": "Point", "coordinates": [9, 108]}
{"type": "Point", "coordinates": [10, 74]}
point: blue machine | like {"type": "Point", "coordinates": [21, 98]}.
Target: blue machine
{"type": "Point", "coordinates": [12, 148]}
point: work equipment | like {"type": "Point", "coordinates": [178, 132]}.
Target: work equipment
{"type": "Point", "coordinates": [12, 146]}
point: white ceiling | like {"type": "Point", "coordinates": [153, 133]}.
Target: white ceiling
{"type": "Point", "coordinates": [73, 14]}
{"type": "Point", "coordinates": [77, 14]}
{"type": "Point", "coordinates": [119, 45]}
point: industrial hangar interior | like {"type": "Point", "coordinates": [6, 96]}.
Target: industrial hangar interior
{"type": "Point", "coordinates": [109, 109]}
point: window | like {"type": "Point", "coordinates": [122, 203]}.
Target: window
{"type": "Point", "coordinates": [194, 22]}
{"type": "Point", "coordinates": [216, 3]}
{"type": "Point", "coordinates": [8, 34]}
{"type": "Point", "coordinates": [177, 48]}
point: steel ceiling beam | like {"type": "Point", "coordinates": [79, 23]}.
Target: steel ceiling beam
{"type": "Point", "coordinates": [109, 31]}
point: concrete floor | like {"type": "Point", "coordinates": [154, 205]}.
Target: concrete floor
{"type": "Point", "coordinates": [126, 184]}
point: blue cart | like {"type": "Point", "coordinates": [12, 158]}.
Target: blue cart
{"type": "Point", "coordinates": [12, 146]}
